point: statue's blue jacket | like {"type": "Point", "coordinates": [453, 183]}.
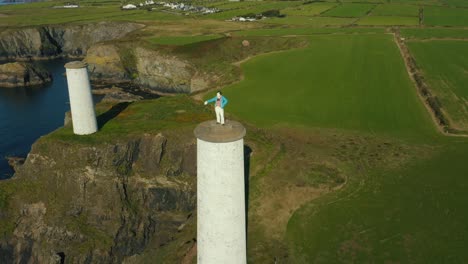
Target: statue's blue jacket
{"type": "Point", "coordinates": [224, 101]}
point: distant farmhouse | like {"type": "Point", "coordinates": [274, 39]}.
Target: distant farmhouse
{"type": "Point", "coordinates": [129, 7]}
{"type": "Point", "coordinates": [68, 5]}
{"type": "Point", "coordinates": [173, 6]}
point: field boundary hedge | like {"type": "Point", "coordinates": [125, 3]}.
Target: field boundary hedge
{"type": "Point", "coordinates": [429, 99]}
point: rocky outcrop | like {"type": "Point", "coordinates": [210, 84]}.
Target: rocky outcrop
{"type": "Point", "coordinates": [59, 41]}
{"type": "Point", "coordinates": [163, 72]}
{"type": "Point", "coordinates": [98, 203]}
{"type": "Point", "coordinates": [17, 74]}
{"type": "Point", "coordinates": [104, 63]}
{"type": "Point", "coordinates": [145, 67]}
{"type": "Point", "coordinates": [15, 162]}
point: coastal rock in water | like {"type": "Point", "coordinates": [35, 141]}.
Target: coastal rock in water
{"type": "Point", "coordinates": [15, 162]}
{"type": "Point", "coordinates": [59, 41]}
{"type": "Point", "coordinates": [18, 74]}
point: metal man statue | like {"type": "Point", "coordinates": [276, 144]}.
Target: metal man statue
{"type": "Point", "coordinates": [220, 102]}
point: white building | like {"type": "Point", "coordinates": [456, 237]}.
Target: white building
{"type": "Point", "coordinates": [129, 7]}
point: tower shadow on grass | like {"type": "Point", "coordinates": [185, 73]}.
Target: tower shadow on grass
{"type": "Point", "coordinates": [115, 110]}
{"type": "Point", "coordinates": [247, 154]}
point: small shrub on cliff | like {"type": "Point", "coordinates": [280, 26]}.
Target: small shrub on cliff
{"type": "Point", "coordinates": [129, 61]}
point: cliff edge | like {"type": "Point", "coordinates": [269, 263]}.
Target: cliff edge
{"type": "Point", "coordinates": [103, 198]}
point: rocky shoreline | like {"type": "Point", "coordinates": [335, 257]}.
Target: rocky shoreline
{"type": "Point", "coordinates": [23, 74]}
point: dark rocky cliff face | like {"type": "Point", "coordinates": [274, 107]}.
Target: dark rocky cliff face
{"type": "Point", "coordinates": [101, 203]}
{"type": "Point", "coordinates": [55, 41]}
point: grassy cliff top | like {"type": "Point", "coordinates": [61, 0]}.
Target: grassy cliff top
{"type": "Point", "coordinates": [122, 120]}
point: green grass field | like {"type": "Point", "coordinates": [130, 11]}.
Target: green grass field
{"type": "Point", "coordinates": [310, 21]}
{"type": "Point", "coordinates": [444, 16]}
{"type": "Point", "coordinates": [182, 40]}
{"type": "Point", "coordinates": [388, 21]}
{"type": "Point", "coordinates": [396, 10]}
{"type": "Point", "coordinates": [309, 9]}
{"type": "Point", "coordinates": [456, 3]}
{"type": "Point", "coordinates": [332, 94]}
{"type": "Point", "coordinates": [409, 214]}
{"type": "Point", "coordinates": [445, 67]}
{"type": "Point", "coordinates": [349, 10]}
{"type": "Point", "coordinates": [428, 33]}
{"type": "Point", "coordinates": [307, 31]}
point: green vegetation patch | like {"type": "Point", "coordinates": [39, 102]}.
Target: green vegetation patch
{"type": "Point", "coordinates": [388, 21]}
{"type": "Point", "coordinates": [455, 3]}
{"type": "Point", "coordinates": [445, 16]}
{"type": "Point", "coordinates": [445, 68]}
{"type": "Point", "coordinates": [307, 31]}
{"type": "Point", "coordinates": [182, 40]}
{"type": "Point", "coordinates": [310, 21]}
{"type": "Point", "coordinates": [227, 5]}
{"type": "Point", "coordinates": [311, 9]}
{"type": "Point", "coordinates": [428, 33]}
{"type": "Point", "coordinates": [395, 10]}
{"type": "Point", "coordinates": [389, 215]}
{"type": "Point", "coordinates": [349, 10]}
{"type": "Point", "coordinates": [416, 2]}
{"type": "Point", "coordinates": [356, 82]}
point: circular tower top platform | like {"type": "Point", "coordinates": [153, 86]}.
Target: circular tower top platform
{"type": "Point", "coordinates": [211, 132]}
{"type": "Point", "coordinates": [76, 65]}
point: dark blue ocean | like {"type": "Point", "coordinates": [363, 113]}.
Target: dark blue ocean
{"type": "Point", "coordinates": [29, 113]}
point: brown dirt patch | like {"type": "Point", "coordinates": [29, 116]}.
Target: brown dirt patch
{"type": "Point", "coordinates": [190, 255]}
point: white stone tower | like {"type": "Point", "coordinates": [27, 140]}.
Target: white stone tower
{"type": "Point", "coordinates": [81, 99]}
{"type": "Point", "coordinates": [221, 229]}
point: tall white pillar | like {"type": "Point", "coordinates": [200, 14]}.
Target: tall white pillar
{"type": "Point", "coordinates": [221, 229]}
{"type": "Point", "coordinates": [81, 99]}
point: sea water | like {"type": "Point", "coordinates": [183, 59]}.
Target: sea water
{"type": "Point", "coordinates": [29, 113]}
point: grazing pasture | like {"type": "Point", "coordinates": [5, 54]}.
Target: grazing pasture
{"type": "Point", "coordinates": [445, 16]}
{"type": "Point", "coordinates": [349, 10]}
{"type": "Point", "coordinates": [396, 10]}
{"type": "Point", "coordinates": [182, 40]}
{"type": "Point", "coordinates": [429, 33]}
{"type": "Point", "coordinates": [412, 212]}
{"type": "Point", "coordinates": [316, 21]}
{"type": "Point", "coordinates": [445, 68]}
{"type": "Point", "coordinates": [307, 31]}
{"type": "Point", "coordinates": [355, 82]}
{"type": "Point", "coordinates": [309, 9]}
{"type": "Point", "coordinates": [388, 21]}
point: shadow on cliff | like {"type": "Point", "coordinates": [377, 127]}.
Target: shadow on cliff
{"type": "Point", "coordinates": [247, 153]}
{"type": "Point", "coordinates": [102, 119]}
